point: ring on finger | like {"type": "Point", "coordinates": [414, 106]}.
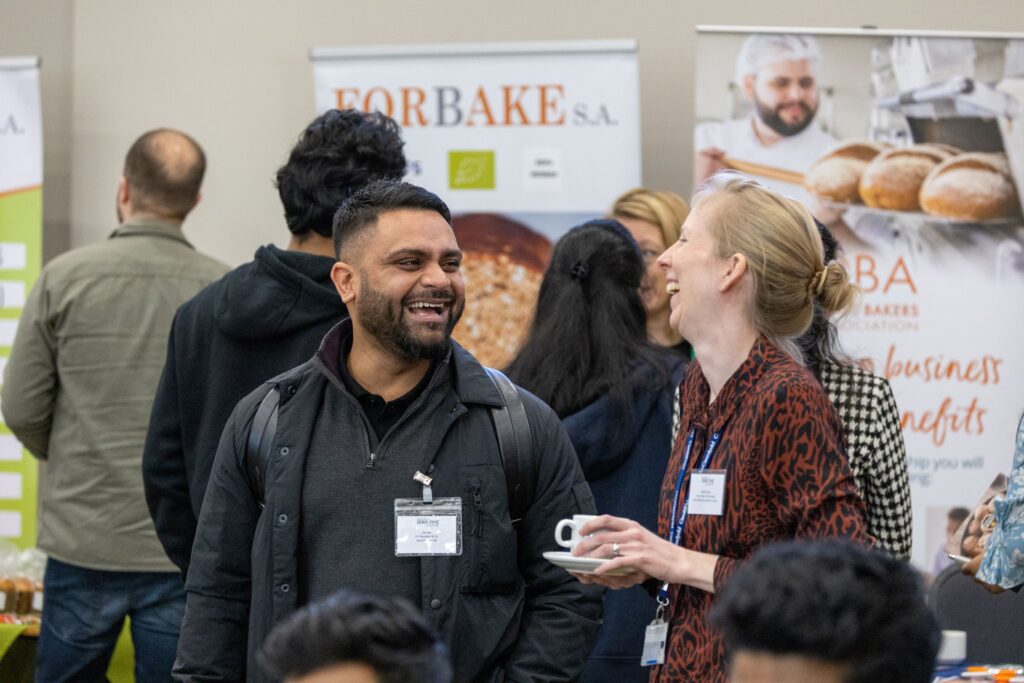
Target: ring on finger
{"type": "Point", "coordinates": [615, 550]}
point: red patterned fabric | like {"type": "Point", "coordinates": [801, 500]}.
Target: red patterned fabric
{"type": "Point", "coordinates": [786, 476]}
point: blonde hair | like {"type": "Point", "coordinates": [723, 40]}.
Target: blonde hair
{"type": "Point", "coordinates": [665, 209]}
{"type": "Point", "coordinates": [785, 257]}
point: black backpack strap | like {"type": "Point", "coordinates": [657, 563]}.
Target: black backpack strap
{"type": "Point", "coordinates": [515, 443]}
{"type": "Point", "coordinates": [259, 443]}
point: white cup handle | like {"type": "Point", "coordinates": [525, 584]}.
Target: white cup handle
{"type": "Point", "coordinates": [558, 533]}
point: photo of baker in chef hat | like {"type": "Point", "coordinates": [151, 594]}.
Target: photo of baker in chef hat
{"type": "Point", "coordinates": [778, 75]}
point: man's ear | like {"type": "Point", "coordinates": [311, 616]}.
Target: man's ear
{"type": "Point", "coordinates": [346, 280]}
{"type": "Point", "coordinates": [748, 86]}
{"type": "Point", "coordinates": [123, 191]}
{"type": "Point", "coordinates": [732, 272]}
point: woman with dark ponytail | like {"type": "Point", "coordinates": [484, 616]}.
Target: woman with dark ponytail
{"type": "Point", "coordinates": [588, 355]}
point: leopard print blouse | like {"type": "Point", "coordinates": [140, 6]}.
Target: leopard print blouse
{"type": "Point", "coordinates": [786, 476]}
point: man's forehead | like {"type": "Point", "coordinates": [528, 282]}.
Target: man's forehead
{"type": "Point", "coordinates": [787, 67]}
{"type": "Point", "coordinates": [419, 230]}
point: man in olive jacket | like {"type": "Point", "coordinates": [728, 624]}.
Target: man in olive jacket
{"type": "Point", "coordinates": [77, 392]}
{"type": "Point", "coordinates": [389, 397]}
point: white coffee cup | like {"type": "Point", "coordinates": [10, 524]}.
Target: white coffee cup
{"type": "Point", "coordinates": [576, 523]}
{"type": "Point", "coordinates": [954, 647]}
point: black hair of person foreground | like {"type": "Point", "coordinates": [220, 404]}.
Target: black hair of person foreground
{"type": "Point", "coordinates": [831, 602]}
{"type": "Point", "coordinates": [383, 633]}
{"type": "Point", "coordinates": [589, 333]}
{"type": "Point", "coordinates": [341, 150]}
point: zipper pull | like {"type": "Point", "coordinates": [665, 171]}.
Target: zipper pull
{"type": "Point", "coordinates": [372, 461]}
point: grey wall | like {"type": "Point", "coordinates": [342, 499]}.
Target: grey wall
{"type": "Point", "coordinates": [236, 75]}
{"type": "Point", "coordinates": [44, 28]}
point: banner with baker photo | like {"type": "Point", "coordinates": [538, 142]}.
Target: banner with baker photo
{"type": "Point", "coordinates": [21, 229]}
{"type": "Point", "coordinates": [522, 140]}
{"type": "Point", "coordinates": [910, 148]}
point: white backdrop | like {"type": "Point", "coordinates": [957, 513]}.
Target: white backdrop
{"type": "Point", "coordinates": [562, 120]}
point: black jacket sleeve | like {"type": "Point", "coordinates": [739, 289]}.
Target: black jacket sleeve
{"type": "Point", "coordinates": [164, 474]}
{"type": "Point", "coordinates": [561, 615]}
{"type": "Point", "coordinates": [214, 632]}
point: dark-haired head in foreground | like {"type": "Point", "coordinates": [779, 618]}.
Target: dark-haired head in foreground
{"type": "Point", "coordinates": [828, 611]}
{"type": "Point", "coordinates": [351, 638]}
{"type": "Point", "coordinates": [337, 153]}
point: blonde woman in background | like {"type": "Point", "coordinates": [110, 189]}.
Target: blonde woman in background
{"type": "Point", "coordinates": [654, 218]}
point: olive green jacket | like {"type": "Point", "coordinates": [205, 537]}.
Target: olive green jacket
{"type": "Point", "coordinates": [80, 381]}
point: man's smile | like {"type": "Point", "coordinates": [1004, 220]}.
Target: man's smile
{"type": "Point", "coordinates": [429, 310]}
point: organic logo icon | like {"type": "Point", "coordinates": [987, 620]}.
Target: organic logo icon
{"type": "Point", "coordinates": [471, 170]}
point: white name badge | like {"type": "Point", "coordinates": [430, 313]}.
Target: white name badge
{"type": "Point", "coordinates": [428, 528]}
{"type": "Point", "coordinates": [707, 493]}
{"type": "Point", "coordinates": [655, 637]}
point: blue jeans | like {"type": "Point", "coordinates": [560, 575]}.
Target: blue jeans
{"type": "Point", "coordinates": [83, 614]}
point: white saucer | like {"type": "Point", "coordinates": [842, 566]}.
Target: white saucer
{"type": "Point", "coordinates": [581, 565]}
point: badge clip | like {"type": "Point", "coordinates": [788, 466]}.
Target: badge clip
{"type": "Point", "coordinates": [428, 494]}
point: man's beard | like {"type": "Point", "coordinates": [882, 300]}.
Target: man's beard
{"type": "Point", "coordinates": [385, 320]}
{"type": "Point", "coordinates": [773, 119]}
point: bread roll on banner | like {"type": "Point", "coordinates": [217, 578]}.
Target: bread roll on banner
{"type": "Point", "coordinates": [503, 265]}
{"type": "Point", "coordinates": [971, 187]}
{"type": "Point", "coordinates": [837, 174]}
{"type": "Point", "coordinates": [893, 179]}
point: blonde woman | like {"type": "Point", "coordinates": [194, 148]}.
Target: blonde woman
{"type": "Point", "coordinates": [654, 219]}
{"type": "Point", "coordinates": [756, 426]}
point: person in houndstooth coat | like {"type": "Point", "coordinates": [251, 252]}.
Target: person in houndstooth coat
{"type": "Point", "coordinates": [871, 423]}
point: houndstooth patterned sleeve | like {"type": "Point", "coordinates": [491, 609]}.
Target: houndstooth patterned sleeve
{"type": "Point", "coordinates": [890, 519]}
{"type": "Point", "coordinates": [876, 451]}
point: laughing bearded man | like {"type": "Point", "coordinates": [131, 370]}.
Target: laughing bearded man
{"type": "Point", "coordinates": [778, 75]}
{"type": "Point", "coordinates": [388, 414]}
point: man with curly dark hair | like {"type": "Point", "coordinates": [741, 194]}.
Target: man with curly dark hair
{"type": "Point", "coordinates": [260, 319]}
{"type": "Point", "coordinates": [826, 611]}
{"type": "Point", "coordinates": [348, 637]}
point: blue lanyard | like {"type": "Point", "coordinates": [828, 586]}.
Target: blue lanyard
{"type": "Point", "coordinates": [675, 534]}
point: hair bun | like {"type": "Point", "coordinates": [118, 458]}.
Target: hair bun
{"type": "Point", "coordinates": [818, 281]}
{"type": "Point", "coordinates": [832, 289]}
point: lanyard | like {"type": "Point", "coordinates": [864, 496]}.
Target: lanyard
{"type": "Point", "coordinates": [679, 525]}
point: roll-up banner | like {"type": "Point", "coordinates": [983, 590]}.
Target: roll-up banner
{"type": "Point", "coordinates": [910, 147]}
{"type": "Point", "coordinates": [522, 140]}
{"type": "Point", "coordinates": [21, 226]}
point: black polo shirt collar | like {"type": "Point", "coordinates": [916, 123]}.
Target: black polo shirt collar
{"type": "Point", "coordinates": [381, 414]}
